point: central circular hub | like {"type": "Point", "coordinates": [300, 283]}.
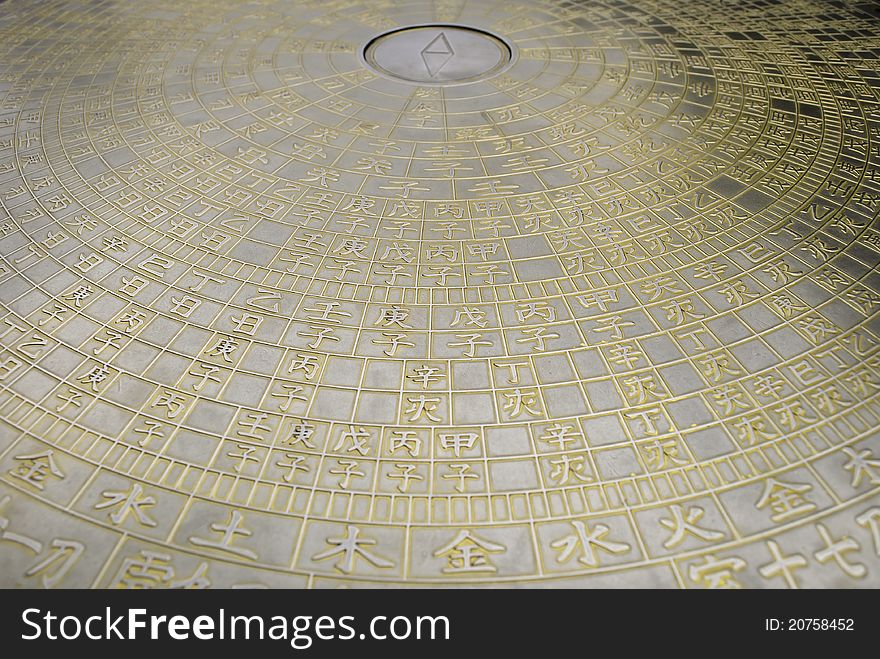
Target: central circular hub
{"type": "Point", "coordinates": [438, 54]}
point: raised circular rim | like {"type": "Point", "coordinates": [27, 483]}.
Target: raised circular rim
{"type": "Point", "coordinates": [367, 59]}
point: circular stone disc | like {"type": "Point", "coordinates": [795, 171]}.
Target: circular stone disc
{"type": "Point", "coordinates": [469, 292]}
